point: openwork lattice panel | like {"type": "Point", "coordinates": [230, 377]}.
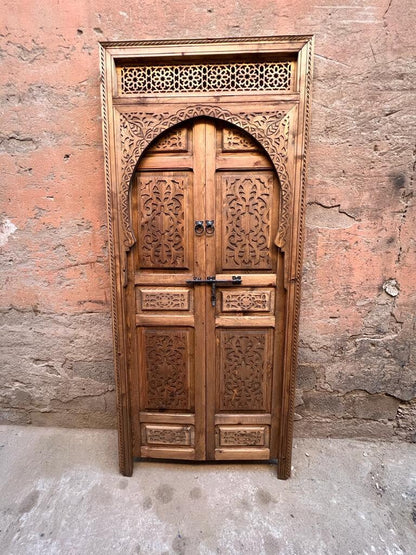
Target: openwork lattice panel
{"type": "Point", "coordinates": [268, 76]}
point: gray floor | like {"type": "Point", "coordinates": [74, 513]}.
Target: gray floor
{"type": "Point", "coordinates": [61, 494]}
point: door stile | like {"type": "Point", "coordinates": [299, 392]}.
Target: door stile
{"type": "Point", "coordinates": [210, 242]}
{"type": "Point", "coordinates": [132, 354]}
{"type": "Point", "coordinates": [200, 171]}
{"type": "Point", "coordinates": [278, 366]}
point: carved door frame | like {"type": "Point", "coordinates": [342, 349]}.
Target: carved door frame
{"type": "Point", "coordinates": [271, 103]}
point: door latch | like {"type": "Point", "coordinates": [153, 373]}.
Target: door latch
{"type": "Point", "coordinates": [213, 282]}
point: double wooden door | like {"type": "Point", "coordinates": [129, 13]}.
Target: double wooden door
{"type": "Point", "coordinates": [208, 308]}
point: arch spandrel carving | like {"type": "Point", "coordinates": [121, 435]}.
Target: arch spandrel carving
{"type": "Point", "coordinates": [270, 129]}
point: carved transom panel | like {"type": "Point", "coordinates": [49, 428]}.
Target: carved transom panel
{"type": "Point", "coordinates": [269, 76]}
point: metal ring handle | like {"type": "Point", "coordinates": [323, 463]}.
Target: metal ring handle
{"type": "Point", "coordinates": [199, 227]}
{"type": "Point", "coordinates": [209, 227]}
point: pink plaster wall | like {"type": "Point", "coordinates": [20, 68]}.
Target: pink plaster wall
{"type": "Point", "coordinates": [357, 354]}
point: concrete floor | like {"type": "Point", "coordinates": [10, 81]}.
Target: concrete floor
{"type": "Point", "coordinates": [61, 494]}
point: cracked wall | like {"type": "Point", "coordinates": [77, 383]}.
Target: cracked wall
{"type": "Point", "coordinates": [357, 351]}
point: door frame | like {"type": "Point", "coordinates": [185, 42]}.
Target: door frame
{"type": "Point", "coordinates": [278, 119]}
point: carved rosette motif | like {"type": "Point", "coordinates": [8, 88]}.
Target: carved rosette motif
{"type": "Point", "coordinates": [139, 129]}
{"type": "Point", "coordinates": [162, 223]}
{"type": "Point", "coordinates": [244, 370]}
{"type": "Point", "coordinates": [165, 300]}
{"type": "Point", "coordinates": [167, 372]}
{"type": "Point", "coordinates": [246, 222]}
{"type": "Point", "coordinates": [250, 301]}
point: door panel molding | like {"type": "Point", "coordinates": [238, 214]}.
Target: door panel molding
{"type": "Point", "coordinates": [279, 120]}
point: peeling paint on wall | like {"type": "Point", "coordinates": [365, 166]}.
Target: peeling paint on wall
{"type": "Point", "coordinates": [7, 228]}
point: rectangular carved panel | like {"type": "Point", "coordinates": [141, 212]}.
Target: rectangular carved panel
{"type": "Point", "coordinates": [268, 76]}
{"type": "Point", "coordinates": [239, 436]}
{"type": "Point", "coordinates": [167, 369]}
{"type": "Point", "coordinates": [163, 239]}
{"type": "Point", "coordinates": [245, 300]}
{"type": "Point", "coordinates": [246, 230]}
{"type": "Point", "coordinates": [244, 365]}
{"type": "Point", "coordinates": [165, 434]}
{"type": "Point", "coordinates": [162, 299]}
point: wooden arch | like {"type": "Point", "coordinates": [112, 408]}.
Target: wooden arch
{"type": "Point", "coordinates": [271, 130]}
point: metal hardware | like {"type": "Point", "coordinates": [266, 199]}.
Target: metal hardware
{"type": "Point", "coordinates": [199, 227]}
{"type": "Point", "coordinates": [211, 280]}
{"type": "Point", "coordinates": [209, 227]}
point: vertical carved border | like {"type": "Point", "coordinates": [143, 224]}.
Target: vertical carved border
{"type": "Point", "coordinates": [287, 420]}
{"type": "Point", "coordinates": [123, 448]}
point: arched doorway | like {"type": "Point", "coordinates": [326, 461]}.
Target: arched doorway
{"type": "Point", "coordinates": [212, 205]}
{"type": "Point", "coordinates": [208, 311]}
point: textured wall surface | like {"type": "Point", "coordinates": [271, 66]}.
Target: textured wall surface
{"type": "Point", "coordinates": [357, 342]}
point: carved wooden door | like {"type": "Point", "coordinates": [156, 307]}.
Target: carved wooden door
{"type": "Point", "coordinates": [205, 166]}
{"type": "Point", "coordinates": [208, 288]}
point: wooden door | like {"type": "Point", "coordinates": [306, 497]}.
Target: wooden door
{"type": "Point", "coordinates": [193, 380]}
{"type": "Point", "coordinates": [208, 370]}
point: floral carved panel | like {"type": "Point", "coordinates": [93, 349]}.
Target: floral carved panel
{"type": "Point", "coordinates": [167, 372]}
{"type": "Point", "coordinates": [246, 232]}
{"type": "Point", "coordinates": [163, 299]}
{"type": "Point", "coordinates": [175, 140]}
{"type": "Point", "coordinates": [168, 435]}
{"type": "Point", "coordinates": [234, 140]}
{"type": "Point", "coordinates": [161, 202]}
{"type": "Point", "coordinates": [247, 301]}
{"type": "Point", "coordinates": [237, 436]}
{"type": "Point", "coordinates": [244, 368]}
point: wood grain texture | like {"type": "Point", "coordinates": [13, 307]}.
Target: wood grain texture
{"type": "Point", "coordinates": [162, 299]}
{"type": "Point", "coordinates": [242, 436]}
{"type": "Point", "coordinates": [239, 159]}
{"type": "Point", "coordinates": [159, 434]}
